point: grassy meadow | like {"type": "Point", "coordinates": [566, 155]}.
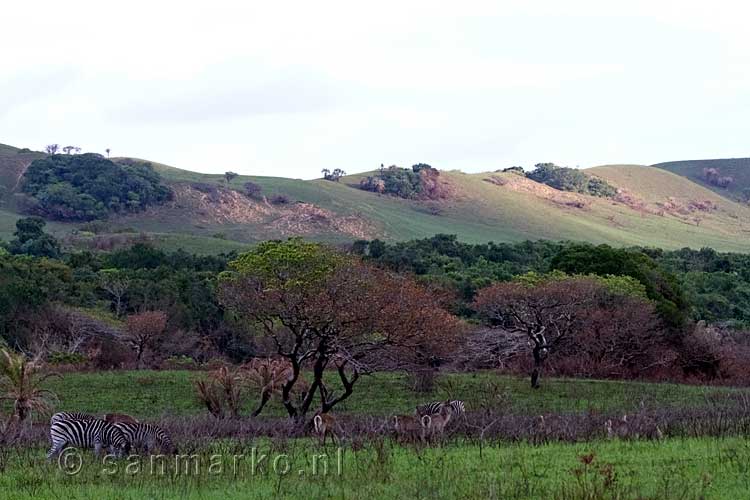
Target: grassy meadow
{"type": "Point", "coordinates": [695, 468]}
{"type": "Point", "coordinates": [158, 393]}
{"type": "Point", "coordinates": [228, 466]}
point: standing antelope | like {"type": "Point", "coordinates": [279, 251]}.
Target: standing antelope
{"type": "Point", "coordinates": [324, 425]}
{"type": "Point", "coordinates": [409, 427]}
{"type": "Point", "coordinates": [436, 423]}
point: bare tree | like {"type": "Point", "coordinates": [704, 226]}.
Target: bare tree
{"type": "Point", "coordinates": [107, 151]}
{"type": "Point", "coordinates": [52, 149]}
{"type": "Point", "coordinates": [114, 282]}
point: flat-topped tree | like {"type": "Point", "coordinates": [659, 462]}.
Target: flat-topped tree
{"type": "Point", "coordinates": [321, 309]}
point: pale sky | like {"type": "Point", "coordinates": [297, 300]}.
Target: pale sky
{"type": "Point", "coordinates": [289, 88]}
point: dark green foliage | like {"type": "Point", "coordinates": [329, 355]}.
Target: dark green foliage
{"type": "Point", "coordinates": [661, 286]}
{"type": "Point", "coordinates": [514, 170]}
{"type": "Point", "coordinates": [27, 284]}
{"type": "Point", "coordinates": [407, 183]}
{"type": "Point", "coordinates": [461, 266]}
{"type": "Point", "coordinates": [88, 186]}
{"type": "Point", "coordinates": [32, 240]}
{"type": "Point", "coordinates": [570, 179]}
{"type": "Point", "coordinates": [334, 176]}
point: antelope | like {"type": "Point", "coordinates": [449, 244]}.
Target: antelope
{"type": "Point", "coordinates": [119, 418]}
{"type": "Point", "coordinates": [437, 422]}
{"type": "Point", "coordinates": [324, 425]}
{"type": "Point", "coordinates": [410, 426]}
{"type": "Point", "coordinates": [619, 428]}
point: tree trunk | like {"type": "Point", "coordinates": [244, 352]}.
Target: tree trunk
{"type": "Point", "coordinates": [538, 362]}
{"type": "Point", "coordinates": [139, 358]}
{"type": "Point", "coordinates": [264, 398]}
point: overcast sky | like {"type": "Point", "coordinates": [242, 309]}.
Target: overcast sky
{"type": "Point", "coordinates": [282, 88]}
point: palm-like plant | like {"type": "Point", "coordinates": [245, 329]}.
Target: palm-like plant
{"type": "Point", "coordinates": [269, 376]}
{"type": "Point", "coordinates": [221, 392]}
{"type": "Point", "coordinates": [21, 381]}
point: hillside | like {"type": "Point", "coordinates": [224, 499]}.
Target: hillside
{"type": "Point", "coordinates": [738, 169]}
{"type": "Point", "coordinates": [653, 208]}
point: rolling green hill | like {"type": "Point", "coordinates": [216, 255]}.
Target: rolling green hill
{"type": "Point", "coordinates": [653, 208]}
{"type": "Point", "coordinates": [736, 168]}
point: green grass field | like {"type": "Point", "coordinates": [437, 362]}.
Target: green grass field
{"type": "Point", "coordinates": [696, 468]}
{"type": "Point", "coordinates": [163, 393]}
{"type": "Point", "coordinates": [673, 468]}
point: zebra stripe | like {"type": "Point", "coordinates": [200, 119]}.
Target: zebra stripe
{"type": "Point", "coordinates": [96, 434]}
{"type": "Point", "coordinates": [68, 415]}
{"type": "Point", "coordinates": [457, 407]}
{"type": "Point", "coordinates": [146, 436]}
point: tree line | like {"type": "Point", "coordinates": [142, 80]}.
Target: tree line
{"type": "Point", "coordinates": [533, 307]}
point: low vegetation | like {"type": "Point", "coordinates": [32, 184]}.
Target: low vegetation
{"type": "Point", "coordinates": [570, 179]}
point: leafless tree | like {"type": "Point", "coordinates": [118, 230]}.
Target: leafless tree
{"type": "Point", "coordinates": [116, 284]}
{"type": "Point", "coordinates": [52, 149]}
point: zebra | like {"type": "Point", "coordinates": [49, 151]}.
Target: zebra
{"type": "Point", "coordinates": [67, 415]}
{"type": "Point", "coordinates": [147, 436]}
{"type": "Point", "coordinates": [457, 407]}
{"type": "Point", "coordinates": [93, 433]}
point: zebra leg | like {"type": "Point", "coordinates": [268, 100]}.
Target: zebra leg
{"type": "Point", "coordinates": [97, 448]}
{"type": "Point", "coordinates": [56, 449]}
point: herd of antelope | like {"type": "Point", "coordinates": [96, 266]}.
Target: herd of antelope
{"type": "Point", "coordinates": [119, 433]}
{"type": "Point", "coordinates": [428, 422]}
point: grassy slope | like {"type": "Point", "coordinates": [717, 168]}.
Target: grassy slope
{"type": "Point", "coordinates": [481, 212]}
{"type": "Point", "coordinates": [726, 227]}
{"type": "Point", "coordinates": [738, 168]}
{"type": "Point", "coordinates": [484, 211]}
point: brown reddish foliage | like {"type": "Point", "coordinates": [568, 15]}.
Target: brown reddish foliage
{"type": "Point", "coordinates": [545, 314]}
{"type": "Point", "coordinates": [143, 332]}
{"type": "Point", "coordinates": [591, 330]}
{"type": "Point", "coordinates": [352, 317]}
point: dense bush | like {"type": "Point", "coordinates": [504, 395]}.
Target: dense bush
{"type": "Point", "coordinates": [420, 181]}
{"type": "Point", "coordinates": [571, 179]}
{"type": "Point", "coordinates": [89, 186]}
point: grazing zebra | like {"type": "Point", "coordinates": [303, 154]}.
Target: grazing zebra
{"type": "Point", "coordinates": [147, 436]}
{"type": "Point", "coordinates": [456, 406]}
{"type": "Point", "coordinates": [68, 415]}
{"type": "Point", "coordinates": [94, 433]}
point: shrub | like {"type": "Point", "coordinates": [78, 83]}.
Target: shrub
{"type": "Point", "coordinates": [279, 199]}
{"type": "Point", "coordinates": [252, 190]}
{"type": "Point", "coordinates": [88, 186]}
{"type": "Point", "coordinates": [570, 179]}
